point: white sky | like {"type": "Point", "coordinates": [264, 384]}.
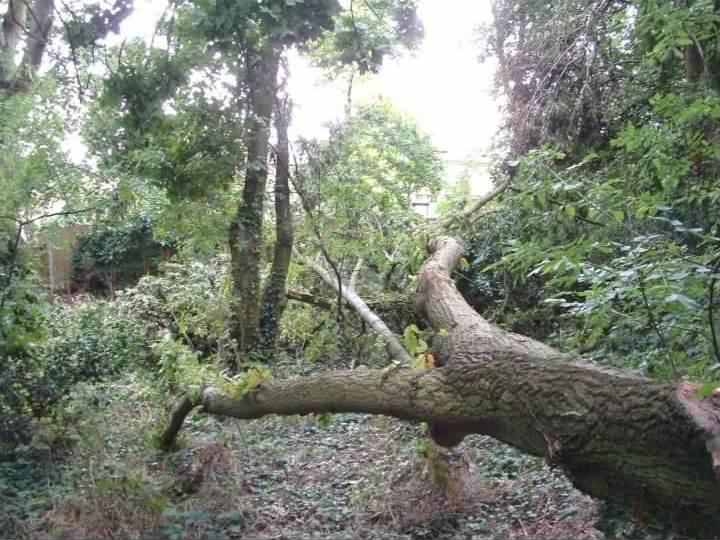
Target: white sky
{"type": "Point", "coordinates": [442, 85]}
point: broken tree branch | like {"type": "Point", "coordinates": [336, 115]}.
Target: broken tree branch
{"type": "Point", "coordinates": [619, 437]}
{"type": "Point", "coordinates": [396, 349]}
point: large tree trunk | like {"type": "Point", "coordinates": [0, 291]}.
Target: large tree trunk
{"type": "Point", "coordinates": [246, 229]}
{"type": "Point", "coordinates": [649, 445]}
{"type": "Point", "coordinates": [274, 297]}
{"type": "Point", "coordinates": [12, 27]}
{"type": "Point", "coordinates": [41, 20]}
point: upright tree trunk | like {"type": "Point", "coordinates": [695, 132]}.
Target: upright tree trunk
{"type": "Point", "coordinates": [713, 62]}
{"type": "Point", "coordinates": [274, 297]}
{"type": "Point", "coordinates": [12, 27]}
{"type": "Point", "coordinates": [246, 229]}
{"type": "Point", "coordinates": [694, 63]}
{"type": "Point", "coordinates": [40, 19]}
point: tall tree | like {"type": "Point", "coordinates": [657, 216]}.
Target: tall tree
{"type": "Point", "coordinates": [247, 42]}
{"type": "Point", "coordinates": [27, 30]}
{"type": "Point", "coordinates": [274, 296]}
{"type": "Point", "coordinates": [289, 25]}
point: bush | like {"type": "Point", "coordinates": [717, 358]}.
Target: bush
{"type": "Point", "coordinates": [179, 366]}
{"type": "Point", "coordinates": [84, 343]}
{"type": "Point", "coordinates": [190, 300]}
{"type": "Point", "coordinates": [115, 256]}
{"type": "Point", "coordinates": [92, 341]}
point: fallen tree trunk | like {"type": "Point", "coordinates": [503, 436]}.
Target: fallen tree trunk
{"type": "Point", "coordinates": [654, 447]}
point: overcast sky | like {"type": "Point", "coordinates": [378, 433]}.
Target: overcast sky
{"type": "Point", "coordinates": [442, 85]}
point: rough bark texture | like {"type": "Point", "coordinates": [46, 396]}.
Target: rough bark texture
{"type": "Point", "coordinates": [246, 229]}
{"type": "Point", "coordinates": [274, 297]}
{"type": "Point", "coordinates": [12, 28]}
{"type": "Point", "coordinates": [652, 446]}
{"type": "Point", "coordinates": [40, 22]}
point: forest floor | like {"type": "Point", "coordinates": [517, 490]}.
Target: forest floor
{"type": "Point", "coordinates": [341, 477]}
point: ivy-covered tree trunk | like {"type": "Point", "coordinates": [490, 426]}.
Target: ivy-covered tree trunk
{"type": "Point", "coordinates": [261, 67]}
{"type": "Point", "coordinates": [652, 446]}
{"type": "Point", "coordinates": [274, 296]}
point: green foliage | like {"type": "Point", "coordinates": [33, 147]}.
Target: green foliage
{"type": "Point", "coordinates": [151, 122]}
{"type": "Point", "coordinates": [83, 343]}
{"type": "Point", "coordinates": [365, 35]}
{"type": "Point", "coordinates": [190, 300]}
{"type": "Point", "coordinates": [34, 173]}
{"type": "Point", "coordinates": [178, 366]}
{"type": "Point", "coordinates": [93, 340]}
{"type": "Point", "coordinates": [361, 183]}
{"type": "Point", "coordinates": [455, 198]}
{"type": "Point", "coordinates": [233, 25]}
{"type": "Point", "coordinates": [413, 341]}
{"type": "Point", "coordinates": [313, 335]}
{"type": "Point", "coordinates": [114, 256]}
{"type": "Point", "coordinates": [251, 378]}
{"type": "Point", "coordinates": [24, 307]}
{"type": "Point", "coordinates": [627, 264]}
{"type": "Point", "coordinates": [611, 229]}
{"type": "Point", "coordinates": [667, 29]}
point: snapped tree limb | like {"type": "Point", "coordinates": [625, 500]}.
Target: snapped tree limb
{"type": "Point", "coordinates": [471, 211]}
{"type": "Point", "coordinates": [396, 348]}
{"type": "Point", "coordinates": [652, 446]}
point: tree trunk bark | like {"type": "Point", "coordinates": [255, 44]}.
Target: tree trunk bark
{"type": "Point", "coordinates": [649, 445]}
{"type": "Point", "coordinates": [274, 297]}
{"type": "Point", "coordinates": [246, 229]}
{"type": "Point", "coordinates": [12, 28]}
{"type": "Point", "coordinates": [41, 20]}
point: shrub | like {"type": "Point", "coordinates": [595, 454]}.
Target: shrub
{"type": "Point", "coordinates": [115, 256]}
{"type": "Point", "coordinates": [84, 343]}
{"type": "Point", "coordinates": [179, 366]}
{"type": "Point", "coordinates": [191, 301]}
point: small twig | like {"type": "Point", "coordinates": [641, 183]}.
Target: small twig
{"type": "Point", "coordinates": [73, 51]}
{"type": "Point", "coordinates": [477, 205]}
{"type": "Point", "coordinates": [26, 222]}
